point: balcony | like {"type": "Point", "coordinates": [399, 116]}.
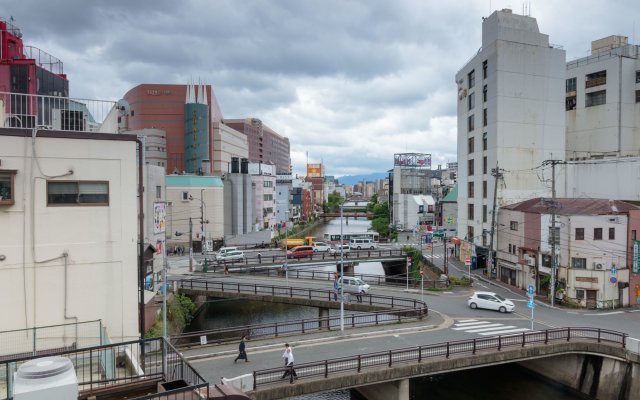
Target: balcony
{"type": "Point", "coordinates": [28, 111]}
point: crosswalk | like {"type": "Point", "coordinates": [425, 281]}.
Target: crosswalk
{"type": "Point", "coordinates": [486, 328]}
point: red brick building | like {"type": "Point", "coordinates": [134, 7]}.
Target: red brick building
{"type": "Point", "coordinates": [265, 145]}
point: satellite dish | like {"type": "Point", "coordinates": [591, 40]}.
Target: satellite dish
{"type": "Point", "coordinates": [123, 107]}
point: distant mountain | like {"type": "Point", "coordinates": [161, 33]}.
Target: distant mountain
{"type": "Point", "coordinates": [353, 179]}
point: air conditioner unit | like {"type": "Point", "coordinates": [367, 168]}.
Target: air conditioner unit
{"type": "Point", "coordinates": [68, 120]}
{"type": "Point", "coordinates": [597, 266]}
{"type": "Point", "coordinates": [531, 261]}
{"type": "Point", "coordinates": [614, 220]}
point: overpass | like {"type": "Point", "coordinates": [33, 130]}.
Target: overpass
{"type": "Point", "coordinates": [593, 361]}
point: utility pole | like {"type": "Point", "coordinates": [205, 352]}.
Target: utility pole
{"type": "Point", "coordinates": [495, 172]}
{"type": "Point", "coordinates": [446, 266]}
{"type": "Point", "coordinates": [552, 234]}
{"type": "Point", "coordinates": [190, 245]}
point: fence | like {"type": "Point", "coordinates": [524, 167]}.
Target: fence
{"type": "Point", "coordinates": [356, 364]}
{"type": "Point", "coordinates": [27, 111]}
{"type": "Point", "coordinates": [39, 341]}
{"type": "Point", "coordinates": [103, 368]}
{"type": "Point", "coordinates": [301, 326]}
{"type": "Point", "coordinates": [302, 293]}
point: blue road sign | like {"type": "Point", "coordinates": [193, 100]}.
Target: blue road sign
{"type": "Point", "coordinates": [530, 289]}
{"type": "Point", "coordinates": [613, 270]}
{"type": "Point", "coordinates": [531, 304]}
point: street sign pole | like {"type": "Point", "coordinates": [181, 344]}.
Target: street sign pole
{"type": "Point", "coordinates": [531, 292]}
{"type": "Point", "coordinates": [408, 264]}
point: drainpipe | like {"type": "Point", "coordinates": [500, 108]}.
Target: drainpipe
{"type": "Point", "coordinates": [65, 255]}
{"type": "Point", "coordinates": [141, 270]}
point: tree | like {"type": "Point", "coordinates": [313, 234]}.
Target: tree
{"type": "Point", "coordinates": [334, 202]}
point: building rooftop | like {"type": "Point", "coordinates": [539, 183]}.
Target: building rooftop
{"type": "Point", "coordinates": [193, 181]}
{"type": "Point", "coordinates": [567, 206]}
{"type": "Point", "coordinates": [452, 196]}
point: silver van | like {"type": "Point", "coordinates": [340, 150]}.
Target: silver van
{"type": "Point", "coordinates": [353, 285]}
{"type": "Point", "coordinates": [362, 243]}
{"type": "Point", "coordinates": [224, 250]}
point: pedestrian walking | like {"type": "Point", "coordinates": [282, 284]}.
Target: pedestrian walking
{"type": "Point", "coordinates": [288, 362]}
{"type": "Point", "coordinates": [226, 269]}
{"type": "Point", "coordinates": [242, 353]}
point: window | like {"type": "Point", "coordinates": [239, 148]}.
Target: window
{"type": "Point", "coordinates": [7, 195]}
{"type": "Point", "coordinates": [484, 93]}
{"type": "Point", "coordinates": [470, 233]}
{"type": "Point", "coordinates": [470, 212]}
{"type": "Point", "coordinates": [637, 76]}
{"type": "Point", "coordinates": [472, 78]}
{"type": "Point", "coordinates": [637, 96]}
{"type": "Point", "coordinates": [268, 184]}
{"type": "Point", "coordinates": [185, 196]}
{"type": "Point", "coordinates": [484, 164]}
{"type": "Point", "coordinates": [596, 98]}
{"type": "Point", "coordinates": [578, 262]}
{"type": "Point", "coordinates": [268, 197]}
{"type": "Point", "coordinates": [471, 123]}
{"type": "Point", "coordinates": [470, 145]}
{"type": "Point", "coordinates": [579, 233]}
{"type": "Point", "coordinates": [77, 193]}
{"type": "Point", "coordinates": [472, 101]}
{"type": "Point", "coordinates": [509, 248]}
{"type": "Point", "coordinates": [484, 69]}
{"type": "Point", "coordinates": [513, 225]}
{"type": "Point", "coordinates": [470, 167]}
{"type": "Point", "coordinates": [595, 79]}
{"type": "Point", "coordinates": [158, 192]}
{"type": "Point", "coordinates": [570, 103]}
{"type": "Point", "coordinates": [470, 188]}
{"type": "Point", "coordinates": [597, 233]}
{"type": "Point", "coordinates": [484, 213]}
{"type": "Point", "coordinates": [484, 189]}
{"type": "Point", "coordinates": [484, 141]}
{"type": "Point", "coordinates": [633, 234]}
{"type": "Point", "coordinates": [570, 85]}
{"type": "Point", "coordinates": [484, 117]}
{"type": "Point", "coordinates": [612, 233]}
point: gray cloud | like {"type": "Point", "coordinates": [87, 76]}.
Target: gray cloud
{"type": "Point", "coordinates": [349, 82]}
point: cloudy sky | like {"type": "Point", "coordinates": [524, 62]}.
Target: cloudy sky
{"type": "Point", "coordinates": [351, 82]}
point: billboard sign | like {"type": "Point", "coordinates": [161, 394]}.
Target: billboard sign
{"type": "Point", "coordinates": [314, 170]}
{"type": "Point", "coordinates": [159, 217]}
{"type": "Point", "coordinates": [636, 258]}
{"type": "Point", "coordinates": [416, 160]}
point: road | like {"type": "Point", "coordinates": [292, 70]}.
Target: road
{"type": "Point", "coordinates": [450, 319]}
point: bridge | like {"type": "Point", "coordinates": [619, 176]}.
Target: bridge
{"type": "Point", "coordinates": [346, 215]}
{"type": "Point", "coordinates": [385, 375]}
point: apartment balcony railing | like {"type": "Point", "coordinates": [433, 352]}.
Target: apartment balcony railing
{"type": "Point", "coordinates": [27, 111]}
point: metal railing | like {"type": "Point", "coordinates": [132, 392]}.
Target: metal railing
{"type": "Point", "coordinates": [302, 293]}
{"type": "Point", "coordinates": [300, 326]}
{"type": "Point", "coordinates": [418, 354]}
{"type": "Point", "coordinates": [101, 368]}
{"type": "Point", "coordinates": [27, 111]}
{"type": "Point", "coordinates": [378, 280]}
{"type": "Point", "coordinates": [43, 340]}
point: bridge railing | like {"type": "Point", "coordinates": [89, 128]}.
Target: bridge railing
{"type": "Point", "coordinates": [300, 326]}
{"type": "Point", "coordinates": [379, 280]}
{"type": "Point", "coordinates": [304, 293]}
{"type": "Point", "coordinates": [355, 364]}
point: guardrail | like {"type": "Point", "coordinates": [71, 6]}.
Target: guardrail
{"type": "Point", "coordinates": [356, 364]}
{"type": "Point", "coordinates": [104, 368]}
{"type": "Point", "coordinates": [303, 293]}
{"type": "Point", "coordinates": [300, 326]}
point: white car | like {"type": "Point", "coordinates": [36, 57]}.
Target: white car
{"type": "Point", "coordinates": [354, 285]}
{"type": "Point", "coordinates": [336, 249]}
{"type": "Point", "coordinates": [233, 255]}
{"type": "Point", "coordinates": [321, 247]}
{"type": "Point", "coordinates": [490, 301]}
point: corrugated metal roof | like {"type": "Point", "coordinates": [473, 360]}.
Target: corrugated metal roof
{"type": "Point", "coordinates": [568, 206]}
{"type": "Point", "coordinates": [452, 196]}
{"type": "Point", "coordinates": [193, 181]}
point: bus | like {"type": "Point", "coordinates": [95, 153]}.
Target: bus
{"type": "Point", "coordinates": [334, 238]}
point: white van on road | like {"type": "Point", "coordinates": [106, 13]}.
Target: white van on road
{"type": "Point", "coordinates": [353, 285]}
{"type": "Point", "coordinates": [362, 243]}
{"type": "Point", "coordinates": [224, 250]}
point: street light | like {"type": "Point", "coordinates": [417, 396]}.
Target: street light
{"type": "Point", "coordinates": [286, 245]}
{"type": "Point", "coordinates": [341, 273]}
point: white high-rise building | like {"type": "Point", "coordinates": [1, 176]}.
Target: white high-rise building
{"type": "Point", "coordinates": [510, 116]}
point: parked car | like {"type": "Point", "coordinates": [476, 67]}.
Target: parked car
{"type": "Point", "coordinates": [353, 285]}
{"type": "Point", "coordinates": [300, 252]}
{"type": "Point", "coordinates": [232, 255]}
{"type": "Point", "coordinates": [320, 247]}
{"type": "Point", "coordinates": [490, 301]}
{"type": "Point", "coordinates": [336, 249]}
{"type": "Point", "coordinates": [362, 243]}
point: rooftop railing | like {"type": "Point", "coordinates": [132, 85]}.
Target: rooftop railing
{"type": "Point", "coordinates": [44, 59]}
{"type": "Point", "coordinates": [27, 111]}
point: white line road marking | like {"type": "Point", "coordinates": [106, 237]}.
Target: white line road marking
{"type": "Point", "coordinates": [492, 327]}
{"type": "Point", "coordinates": [467, 320]}
{"type": "Point", "coordinates": [507, 331]}
{"type": "Point", "coordinates": [471, 325]}
{"type": "Point", "coordinates": [609, 313]}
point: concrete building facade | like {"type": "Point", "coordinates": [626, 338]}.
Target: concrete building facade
{"type": "Point", "coordinates": [265, 145]}
{"type": "Point", "coordinates": [510, 116]}
{"type": "Point", "coordinates": [70, 230]}
{"type": "Point", "coordinates": [227, 143]}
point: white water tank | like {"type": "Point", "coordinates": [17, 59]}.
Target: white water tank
{"type": "Point", "coordinates": [51, 378]}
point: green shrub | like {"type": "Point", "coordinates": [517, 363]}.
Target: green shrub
{"type": "Point", "coordinates": [180, 311]}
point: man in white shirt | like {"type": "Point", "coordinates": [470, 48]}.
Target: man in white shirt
{"type": "Point", "coordinates": [288, 362]}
